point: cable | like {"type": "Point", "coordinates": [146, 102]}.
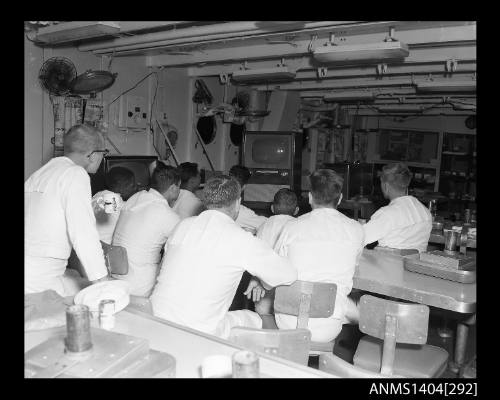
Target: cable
{"type": "Point", "coordinates": [133, 87]}
{"type": "Point", "coordinates": [153, 102]}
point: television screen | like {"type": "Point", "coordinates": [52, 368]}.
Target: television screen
{"type": "Point", "coordinates": [139, 165]}
{"type": "Point", "coordinates": [267, 150]}
{"type": "Point", "coordinates": [140, 168]}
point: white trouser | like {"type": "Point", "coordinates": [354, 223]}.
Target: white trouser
{"type": "Point", "coordinates": [246, 318]}
{"type": "Point", "coordinates": [323, 329]}
{"type": "Point", "coordinates": [45, 273]}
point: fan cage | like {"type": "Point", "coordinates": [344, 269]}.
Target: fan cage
{"type": "Point", "coordinates": [56, 75]}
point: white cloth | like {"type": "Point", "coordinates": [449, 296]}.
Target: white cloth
{"type": "Point", "coordinates": [58, 217]}
{"type": "Point", "coordinates": [145, 223]}
{"type": "Point", "coordinates": [324, 246]}
{"type": "Point", "coordinates": [403, 224]}
{"type": "Point", "coordinates": [202, 268]}
{"type": "Point", "coordinates": [106, 223]}
{"type": "Point", "coordinates": [187, 204]}
{"type": "Point", "coordinates": [248, 219]}
{"type": "Point", "coordinates": [271, 229]}
{"type": "Point", "coordinates": [115, 290]}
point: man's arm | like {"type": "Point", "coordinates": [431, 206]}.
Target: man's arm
{"type": "Point", "coordinates": [379, 226]}
{"type": "Point", "coordinates": [262, 262]}
{"type": "Point", "coordinates": [81, 225]}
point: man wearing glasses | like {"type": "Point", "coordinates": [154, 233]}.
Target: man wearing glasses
{"type": "Point", "coordinates": [59, 216]}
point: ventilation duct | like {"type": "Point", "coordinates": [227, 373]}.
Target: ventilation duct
{"type": "Point", "coordinates": [349, 96]}
{"type": "Point", "coordinates": [446, 87]}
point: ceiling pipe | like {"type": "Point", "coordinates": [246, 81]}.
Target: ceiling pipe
{"type": "Point", "coordinates": [230, 28]}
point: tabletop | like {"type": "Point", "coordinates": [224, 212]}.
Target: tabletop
{"type": "Point", "coordinates": [383, 273]}
{"type": "Point", "coordinates": [188, 346]}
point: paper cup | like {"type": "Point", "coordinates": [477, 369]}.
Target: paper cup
{"type": "Point", "coordinates": [216, 366]}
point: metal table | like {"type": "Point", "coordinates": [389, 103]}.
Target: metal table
{"type": "Point", "coordinates": [439, 239]}
{"type": "Point", "coordinates": [188, 346]}
{"type": "Point", "coordinates": [383, 273]}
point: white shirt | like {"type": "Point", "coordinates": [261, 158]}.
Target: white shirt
{"type": "Point", "coordinates": [146, 221]}
{"type": "Point", "coordinates": [271, 229]}
{"type": "Point", "coordinates": [403, 224]}
{"type": "Point", "coordinates": [248, 219]}
{"type": "Point", "coordinates": [203, 264]}
{"type": "Point", "coordinates": [59, 217]}
{"type": "Point", "coordinates": [106, 223]}
{"type": "Point", "coordinates": [324, 246]}
{"type": "Point", "coordinates": [187, 204]}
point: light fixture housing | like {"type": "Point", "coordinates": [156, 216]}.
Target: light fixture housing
{"type": "Point", "coordinates": [277, 74]}
{"type": "Point", "coordinates": [349, 96]}
{"type": "Point", "coordinates": [76, 30]}
{"type": "Point", "coordinates": [441, 86]}
{"type": "Point", "coordinates": [361, 52]}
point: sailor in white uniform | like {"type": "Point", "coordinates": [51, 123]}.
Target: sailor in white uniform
{"type": "Point", "coordinates": [59, 216]}
{"type": "Point", "coordinates": [403, 224]}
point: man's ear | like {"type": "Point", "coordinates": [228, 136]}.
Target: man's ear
{"type": "Point", "coordinates": [340, 199]}
{"type": "Point", "coordinates": [272, 208]}
{"type": "Point", "coordinates": [296, 211]}
{"type": "Point", "coordinates": [309, 195]}
{"type": "Point", "coordinates": [243, 188]}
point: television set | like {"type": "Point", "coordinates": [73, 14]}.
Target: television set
{"type": "Point", "coordinates": [358, 178]}
{"type": "Point", "coordinates": [139, 165]}
{"type": "Point", "coordinates": [273, 162]}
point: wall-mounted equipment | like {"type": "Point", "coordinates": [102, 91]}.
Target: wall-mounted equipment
{"type": "Point", "coordinates": [274, 160]}
{"type": "Point", "coordinates": [133, 112]}
{"type": "Point", "coordinates": [76, 30]}
{"type": "Point", "coordinates": [349, 96]}
{"type": "Point", "coordinates": [366, 52]}
{"type": "Point", "coordinates": [277, 74]}
{"type": "Point", "coordinates": [442, 86]}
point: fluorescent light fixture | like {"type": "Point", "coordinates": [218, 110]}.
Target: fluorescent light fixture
{"type": "Point", "coordinates": [400, 109]}
{"type": "Point", "coordinates": [349, 96]}
{"type": "Point", "coordinates": [446, 86]}
{"type": "Point", "coordinates": [76, 30]}
{"type": "Point", "coordinates": [361, 52]}
{"type": "Point", "coordinates": [281, 74]}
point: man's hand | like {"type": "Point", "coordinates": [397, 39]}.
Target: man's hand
{"type": "Point", "coordinates": [254, 290]}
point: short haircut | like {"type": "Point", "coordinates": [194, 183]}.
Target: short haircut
{"type": "Point", "coordinates": [119, 179]}
{"type": "Point", "coordinates": [164, 176]}
{"type": "Point", "coordinates": [240, 173]}
{"type": "Point", "coordinates": [82, 139]}
{"type": "Point", "coordinates": [285, 201]}
{"type": "Point", "coordinates": [221, 192]}
{"type": "Point", "coordinates": [397, 175]}
{"type": "Point", "coordinates": [326, 186]}
{"type": "Point", "coordinates": [187, 171]}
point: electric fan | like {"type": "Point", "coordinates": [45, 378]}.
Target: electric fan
{"type": "Point", "coordinates": [56, 75]}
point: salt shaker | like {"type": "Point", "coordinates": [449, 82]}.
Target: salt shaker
{"type": "Point", "coordinates": [107, 314]}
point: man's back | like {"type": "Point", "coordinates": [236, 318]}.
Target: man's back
{"type": "Point", "coordinates": [403, 224]}
{"type": "Point", "coordinates": [187, 204]}
{"type": "Point", "coordinates": [324, 246]}
{"type": "Point", "coordinates": [144, 225]}
{"type": "Point", "coordinates": [271, 229]}
{"type": "Point", "coordinates": [59, 216]}
{"type": "Point", "coordinates": [203, 264]}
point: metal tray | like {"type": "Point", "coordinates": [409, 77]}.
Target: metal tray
{"type": "Point", "coordinates": [413, 263]}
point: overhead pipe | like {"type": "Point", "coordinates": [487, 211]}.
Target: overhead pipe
{"type": "Point", "coordinates": [231, 28]}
